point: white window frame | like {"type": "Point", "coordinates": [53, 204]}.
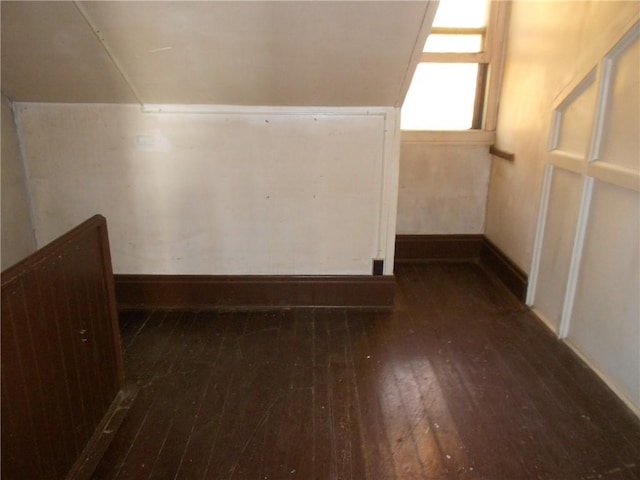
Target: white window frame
{"type": "Point", "coordinates": [493, 56]}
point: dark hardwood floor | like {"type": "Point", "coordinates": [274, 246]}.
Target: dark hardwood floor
{"type": "Point", "coordinates": [459, 381]}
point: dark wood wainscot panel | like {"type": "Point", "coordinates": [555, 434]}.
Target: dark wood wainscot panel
{"type": "Point", "coordinates": [62, 372]}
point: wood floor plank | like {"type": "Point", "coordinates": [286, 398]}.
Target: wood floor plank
{"type": "Point", "coordinates": [376, 449]}
{"type": "Point", "coordinates": [400, 419]}
{"type": "Point", "coordinates": [298, 426]}
{"type": "Point", "coordinates": [439, 449]}
{"type": "Point", "coordinates": [172, 393]}
{"type": "Point", "coordinates": [459, 381]}
{"type": "Point", "coordinates": [202, 441]}
{"type": "Point", "coordinates": [346, 449]}
{"type": "Point", "coordinates": [324, 461]}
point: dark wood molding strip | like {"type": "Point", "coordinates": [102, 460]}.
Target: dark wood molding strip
{"type": "Point", "coordinates": [470, 248]}
{"type": "Point", "coordinates": [493, 150]}
{"type": "Point", "coordinates": [253, 291]}
{"type": "Point", "coordinates": [512, 276]}
{"type": "Point", "coordinates": [415, 248]}
{"type": "Point", "coordinates": [97, 445]}
{"type": "Point", "coordinates": [198, 292]}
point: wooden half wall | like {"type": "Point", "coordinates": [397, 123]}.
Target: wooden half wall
{"type": "Point", "coordinates": [62, 371]}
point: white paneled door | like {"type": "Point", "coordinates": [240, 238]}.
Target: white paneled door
{"type": "Point", "coordinates": [585, 281]}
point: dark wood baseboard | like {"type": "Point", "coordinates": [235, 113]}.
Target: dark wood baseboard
{"type": "Point", "coordinates": [198, 292]}
{"type": "Point", "coordinates": [415, 248]}
{"type": "Point", "coordinates": [469, 248]}
{"type": "Point", "coordinates": [512, 276]}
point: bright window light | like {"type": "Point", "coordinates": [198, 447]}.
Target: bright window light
{"type": "Point", "coordinates": [461, 13]}
{"type": "Point", "coordinates": [453, 43]}
{"type": "Point", "coordinates": [441, 97]}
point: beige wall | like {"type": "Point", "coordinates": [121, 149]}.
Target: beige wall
{"type": "Point", "coordinates": [549, 43]}
{"type": "Point", "coordinates": [443, 188]}
{"type": "Point", "coordinates": [254, 190]}
{"type": "Point", "coordinates": [584, 269]}
{"type": "Point", "coordinates": [17, 234]}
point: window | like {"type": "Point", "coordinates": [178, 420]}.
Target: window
{"type": "Point", "coordinates": [456, 83]}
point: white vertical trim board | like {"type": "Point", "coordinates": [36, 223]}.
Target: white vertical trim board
{"type": "Point", "coordinates": [390, 179]}
{"type": "Point", "coordinates": [499, 13]}
{"type": "Point", "coordinates": [540, 228]}
{"type": "Point", "coordinates": [607, 65]}
{"type": "Point", "coordinates": [602, 101]}
{"type": "Point", "coordinates": [576, 258]}
{"type": "Point", "coordinates": [382, 211]}
{"type": "Point", "coordinates": [554, 134]}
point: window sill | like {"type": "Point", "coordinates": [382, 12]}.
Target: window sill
{"type": "Point", "coordinates": [455, 137]}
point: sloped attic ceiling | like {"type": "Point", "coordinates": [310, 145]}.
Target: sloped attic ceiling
{"type": "Point", "coordinates": [302, 53]}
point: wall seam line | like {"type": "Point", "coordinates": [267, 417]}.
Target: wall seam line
{"type": "Point", "coordinates": [15, 114]}
{"type": "Point", "coordinates": [107, 49]}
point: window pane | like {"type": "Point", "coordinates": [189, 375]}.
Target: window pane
{"type": "Point", "coordinates": [453, 43]}
{"type": "Point", "coordinates": [441, 97]}
{"type": "Point", "coordinates": [461, 13]}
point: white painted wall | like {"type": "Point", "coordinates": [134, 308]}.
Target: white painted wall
{"type": "Point", "coordinates": [17, 233]}
{"type": "Point", "coordinates": [443, 188]}
{"type": "Point", "coordinates": [238, 191]}
{"type": "Point", "coordinates": [604, 326]}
